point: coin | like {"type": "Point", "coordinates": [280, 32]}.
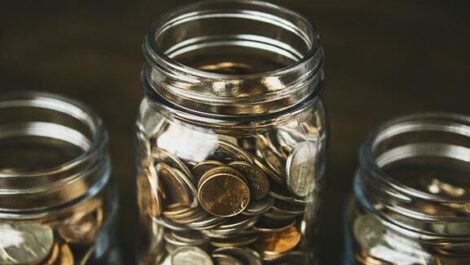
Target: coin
{"type": "Point", "coordinates": [224, 194]}
{"type": "Point", "coordinates": [83, 226]}
{"type": "Point", "coordinates": [170, 238]}
{"type": "Point", "coordinates": [300, 168]}
{"type": "Point", "coordinates": [65, 255]}
{"type": "Point", "coordinates": [223, 259]}
{"type": "Point", "coordinates": [154, 193]}
{"type": "Point", "coordinates": [148, 198]}
{"type": "Point", "coordinates": [177, 187]}
{"type": "Point", "coordinates": [234, 226]}
{"type": "Point", "coordinates": [259, 207]}
{"type": "Point", "coordinates": [220, 170]}
{"type": "Point", "coordinates": [164, 156]}
{"type": "Point", "coordinates": [279, 242]}
{"type": "Point", "coordinates": [193, 237]}
{"type": "Point", "coordinates": [190, 255]}
{"type": "Point", "coordinates": [269, 172]}
{"type": "Point", "coordinates": [169, 224]}
{"type": "Point", "coordinates": [24, 242]}
{"type": "Point", "coordinates": [235, 241]}
{"type": "Point", "coordinates": [54, 255]}
{"type": "Point", "coordinates": [245, 255]}
{"type": "Point", "coordinates": [207, 223]}
{"type": "Point", "coordinates": [257, 180]}
{"type": "Point", "coordinates": [200, 168]}
{"type": "Point", "coordinates": [279, 192]}
{"type": "Point", "coordinates": [226, 152]}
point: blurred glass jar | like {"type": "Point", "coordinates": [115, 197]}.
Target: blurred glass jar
{"type": "Point", "coordinates": [56, 205]}
{"type": "Point", "coordinates": [231, 136]}
{"type": "Point", "coordinates": [412, 193]}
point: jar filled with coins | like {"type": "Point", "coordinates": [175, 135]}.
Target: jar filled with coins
{"type": "Point", "coordinates": [412, 191]}
{"type": "Point", "coordinates": [230, 136]}
{"type": "Point", "coordinates": [56, 206]}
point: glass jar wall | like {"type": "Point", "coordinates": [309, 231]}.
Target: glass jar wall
{"type": "Point", "coordinates": [230, 136]}
{"type": "Point", "coordinates": [56, 206]}
{"type": "Point", "coordinates": [412, 193]}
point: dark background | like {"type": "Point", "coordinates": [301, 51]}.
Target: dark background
{"type": "Point", "coordinates": [384, 58]}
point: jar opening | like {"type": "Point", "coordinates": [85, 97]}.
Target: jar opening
{"type": "Point", "coordinates": [41, 133]}
{"type": "Point", "coordinates": [233, 58]}
{"type": "Point", "coordinates": [52, 151]}
{"type": "Point", "coordinates": [427, 154]}
{"type": "Point", "coordinates": [416, 171]}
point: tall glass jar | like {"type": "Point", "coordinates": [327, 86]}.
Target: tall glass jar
{"type": "Point", "coordinates": [412, 191]}
{"type": "Point", "coordinates": [231, 136]}
{"type": "Point", "coordinates": [56, 205]}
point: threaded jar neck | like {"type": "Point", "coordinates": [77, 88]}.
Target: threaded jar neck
{"type": "Point", "coordinates": [415, 173]}
{"type": "Point", "coordinates": [53, 151]}
{"type": "Point", "coordinates": [232, 58]}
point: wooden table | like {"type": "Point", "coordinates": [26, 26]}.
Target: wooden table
{"type": "Point", "coordinates": [384, 58]}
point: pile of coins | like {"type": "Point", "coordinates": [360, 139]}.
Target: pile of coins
{"type": "Point", "coordinates": [67, 243]}
{"type": "Point", "coordinates": [244, 204]}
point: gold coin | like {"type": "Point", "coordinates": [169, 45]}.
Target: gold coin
{"type": "Point", "coordinates": [277, 243]}
{"type": "Point", "coordinates": [257, 180]}
{"type": "Point", "coordinates": [200, 168]}
{"type": "Point", "coordinates": [224, 195]}
{"type": "Point", "coordinates": [65, 255]}
{"type": "Point", "coordinates": [177, 187]}
{"type": "Point", "coordinates": [164, 156]}
{"type": "Point", "coordinates": [54, 255]}
{"type": "Point", "coordinates": [220, 170]}
{"type": "Point", "coordinates": [151, 192]}
{"type": "Point", "coordinates": [61, 255]}
{"type": "Point", "coordinates": [83, 226]}
{"type": "Point", "coordinates": [24, 242]}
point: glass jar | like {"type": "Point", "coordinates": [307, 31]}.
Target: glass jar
{"type": "Point", "coordinates": [412, 193]}
{"type": "Point", "coordinates": [231, 136]}
{"type": "Point", "coordinates": [56, 205]}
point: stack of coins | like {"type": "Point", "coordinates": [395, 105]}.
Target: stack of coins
{"type": "Point", "coordinates": [244, 204]}
{"type": "Point", "coordinates": [66, 243]}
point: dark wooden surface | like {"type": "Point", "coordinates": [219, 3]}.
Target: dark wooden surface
{"type": "Point", "coordinates": [384, 58]}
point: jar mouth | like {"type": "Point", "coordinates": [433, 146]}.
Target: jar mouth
{"type": "Point", "coordinates": [455, 130]}
{"type": "Point", "coordinates": [416, 170]}
{"type": "Point", "coordinates": [52, 153]}
{"type": "Point", "coordinates": [233, 57]}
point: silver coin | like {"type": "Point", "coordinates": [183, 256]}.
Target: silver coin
{"type": "Point", "coordinates": [190, 255]}
{"type": "Point", "coordinates": [259, 207]}
{"type": "Point", "coordinates": [300, 168]}
{"type": "Point", "coordinates": [235, 226]}
{"type": "Point", "coordinates": [24, 242]}
{"type": "Point", "coordinates": [226, 152]}
{"type": "Point", "coordinates": [223, 259]}
{"type": "Point", "coordinates": [169, 224]}
{"type": "Point", "coordinates": [246, 255]}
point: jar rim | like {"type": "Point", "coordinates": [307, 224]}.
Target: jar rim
{"type": "Point", "coordinates": [239, 94]}
{"type": "Point", "coordinates": [180, 13]}
{"type": "Point", "coordinates": [69, 107]}
{"type": "Point", "coordinates": [368, 160]}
